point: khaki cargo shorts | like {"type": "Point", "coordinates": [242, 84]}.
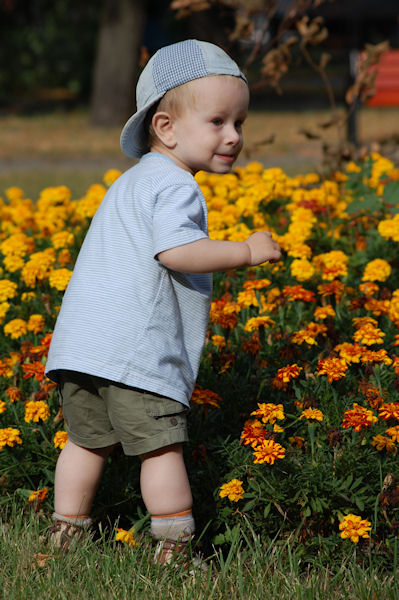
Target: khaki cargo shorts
{"type": "Point", "coordinates": [100, 413]}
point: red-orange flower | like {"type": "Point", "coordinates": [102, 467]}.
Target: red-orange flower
{"type": "Point", "coordinates": [297, 292]}
{"type": "Point", "coordinates": [390, 410]}
{"type": "Point", "coordinates": [334, 368]}
{"type": "Point", "coordinates": [285, 374]}
{"type": "Point", "coordinates": [253, 433]}
{"type": "Point", "coordinates": [35, 369]}
{"type": "Point", "coordinates": [358, 417]}
{"type": "Point", "coordinates": [268, 451]}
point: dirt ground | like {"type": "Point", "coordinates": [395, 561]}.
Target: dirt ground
{"type": "Point", "coordinates": [64, 145]}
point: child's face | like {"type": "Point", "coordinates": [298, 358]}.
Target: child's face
{"type": "Point", "coordinates": [208, 134]}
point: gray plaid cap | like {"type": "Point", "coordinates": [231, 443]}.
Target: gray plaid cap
{"type": "Point", "coordinates": [170, 67]}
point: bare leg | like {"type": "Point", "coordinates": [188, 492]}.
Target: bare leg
{"type": "Point", "coordinates": [165, 488]}
{"type": "Point", "coordinates": [77, 476]}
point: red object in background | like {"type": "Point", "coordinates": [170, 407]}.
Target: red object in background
{"type": "Point", "coordinates": [386, 81]}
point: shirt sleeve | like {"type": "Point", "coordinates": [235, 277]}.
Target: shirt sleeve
{"type": "Point", "coordinates": [179, 217]}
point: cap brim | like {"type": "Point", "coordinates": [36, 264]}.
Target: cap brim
{"type": "Point", "coordinates": [134, 139]}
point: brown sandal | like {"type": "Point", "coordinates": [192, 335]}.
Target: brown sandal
{"type": "Point", "coordinates": [64, 533]}
{"type": "Point", "coordinates": [178, 553]}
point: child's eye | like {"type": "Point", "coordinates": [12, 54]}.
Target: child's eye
{"type": "Point", "coordinates": [217, 121]}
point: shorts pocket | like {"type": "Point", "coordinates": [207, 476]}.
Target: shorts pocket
{"type": "Point", "coordinates": [163, 407]}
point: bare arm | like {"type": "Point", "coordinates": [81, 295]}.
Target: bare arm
{"type": "Point", "coordinates": [210, 256]}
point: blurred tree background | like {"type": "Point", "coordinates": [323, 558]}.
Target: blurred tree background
{"type": "Point", "coordinates": [70, 52]}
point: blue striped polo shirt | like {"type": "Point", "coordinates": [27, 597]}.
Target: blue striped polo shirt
{"type": "Point", "coordinates": [124, 316]}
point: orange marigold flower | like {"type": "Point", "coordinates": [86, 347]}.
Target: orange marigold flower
{"type": "Point", "coordinates": [296, 440]}
{"type": "Point", "coordinates": [334, 368]}
{"type": "Point", "coordinates": [253, 345]}
{"type": "Point", "coordinates": [335, 288]}
{"type": "Point", "coordinates": [376, 356]}
{"type": "Point", "coordinates": [38, 496]}
{"type": "Point", "coordinates": [13, 393]}
{"type": "Point", "coordinates": [353, 527]}
{"type": "Point", "coordinates": [253, 433]}
{"type": "Point", "coordinates": [111, 175]}
{"type": "Point", "coordinates": [233, 490]}
{"type": "Point", "coordinates": [205, 397]}
{"type": "Point", "coordinates": [369, 288]}
{"type": "Point", "coordinates": [390, 410]}
{"type": "Point", "coordinates": [9, 436]}
{"type": "Point", "coordinates": [351, 353]}
{"type": "Point", "coordinates": [313, 414]}
{"type": "Point", "coordinates": [35, 369]}
{"type": "Point", "coordinates": [394, 433]}
{"type": "Point", "coordinates": [358, 417]}
{"type": "Point", "coordinates": [224, 312]}
{"type": "Point", "coordinates": [268, 451]}
{"type": "Point", "coordinates": [35, 410]}
{"type": "Point", "coordinates": [309, 334]}
{"type": "Point", "coordinates": [124, 536]}
{"type": "Point", "coordinates": [60, 439]}
{"type": "Point", "coordinates": [269, 412]}
{"type": "Point", "coordinates": [381, 442]}
{"type": "Point", "coordinates": [257, 322]}
{"type": "Point", "coordinates": [285, 374]}
{"type": "Point", "coordinates": [2, 406]}
{"type": "Point", "coordinates": [297, 292]}
{"type": "Point", "coordinates": [256, 284]}
{"type": "Point", "coordinates": [369, 335]}
{"type": "Point", "coordinates": [59, 278]}
{"type": "Point", "coordinates": [323, 312]}
{"type": "Point", "coordinates": [219, 341]}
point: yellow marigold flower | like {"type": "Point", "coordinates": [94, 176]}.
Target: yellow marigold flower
{"type": "Point", "coordinates": [62, 239]}
{"type": "Point", "coordinates": [111, 175]}
{"type": "Point", "coordinates": [269, 412]}
{"type": "Point", "coordinates": [233, 490]}
{"type": "Point", "coordinates": [36, 323]}
{"type": "Point", "coordinates": [16, 328]}
{"type": "Point", "coordinates": [381, 442]}
{"type": "Point", "coordinates": [14, 193]}
{"type": "Point", "coordinates": [334, 368]}
{"type": "Point", "coordinates": [369, 335]}
{"type": "Point", "coordinates": [268, 451]}
{"type": "Point", "coordinates": [352, 167]}
{"type": "Point", "coordinates": [389, 228]}
{"type": "Point", "coordinates": [302, 269]}
{"type": "Point", "coordinates": [219, 341]}
{"type": "Point", "coordinates": [309, 334]}
{"type": "Point", "coordinates": [38, 266]}
{"type": "Point", "coordinates": [13, 263]}
{"type": "Point", "coordinates": [313, 414]}
{"type": "Point", "coordinates": [60, 439]}
{"type": "Point", "coordinates": [353, 527]}
{"type": "Point", "coordinates": [377, 270]}
{"type": "Point", "coordinates": [332, 264]}
{"type": "Point", "coordinates": [38, 495]}
{"type": "Point", "coordinates": [126, 537]}
{"type": "Point", "coordinates": [9, 437]}
{"type": "Point", "coordinates": [323, 312]}
{"type": "Point", "coordinates": [285, 374]}
{"type": "Point", "coordinates": [28, 296]}
{"type": "Point", "coordinates": [8, 289]}
{"type": "Point", "coordinates": [358, 417]}
{"type": "Point", "coordinates": [2, 406]}
{"type": "Point", "coordinates": [64, 257]}
{"type": "Point", "coordinates": [35, 410]}
{"type": "Point", "coordinates": [17, 244]}
{"type": "Point", "coordinates": [59, 278]}
{"type": "Point", "coordinates": [4, 307]}
{"type": "Point", "coordinates": [256, 322]}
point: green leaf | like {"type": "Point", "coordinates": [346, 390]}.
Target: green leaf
{"type": "Point", "coordinates": [391, 192]}
{"type": "Point", "coordinates": [370, 203]}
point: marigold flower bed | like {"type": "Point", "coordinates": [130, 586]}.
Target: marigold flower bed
{"type": "Point", "coordinates": [295, 418]}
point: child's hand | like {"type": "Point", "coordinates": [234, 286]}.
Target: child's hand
{"type": "Point", "coordinates": [262, 248]}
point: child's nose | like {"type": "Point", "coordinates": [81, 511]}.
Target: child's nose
{"type": "Point", "coordinates": [233, 135]}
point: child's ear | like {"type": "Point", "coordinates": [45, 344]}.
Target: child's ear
{"type": "Point", "coordinates": [162, 124]}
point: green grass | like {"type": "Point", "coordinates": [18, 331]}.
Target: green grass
{"type": "Point", "coordinates": [102, 569]}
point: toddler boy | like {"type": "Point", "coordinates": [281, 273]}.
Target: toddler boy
{"type": "Point", "coordinates": [128, 339]}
